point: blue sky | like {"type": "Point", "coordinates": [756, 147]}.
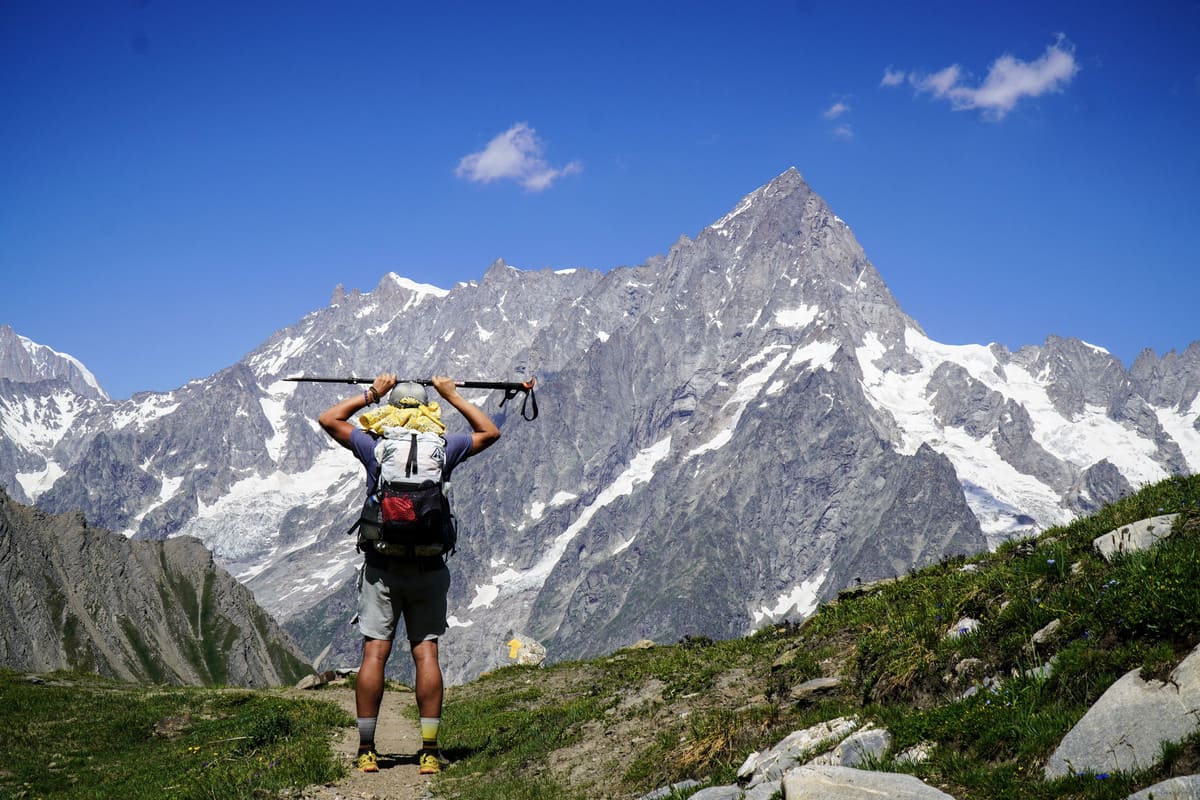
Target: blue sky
{"type": "Point", "coordinates": [179, 180]}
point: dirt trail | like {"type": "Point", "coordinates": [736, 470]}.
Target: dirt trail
{"type": "Point", "coordinates": [397, 738]}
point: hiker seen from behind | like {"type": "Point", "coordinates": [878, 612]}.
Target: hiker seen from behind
{"type": "Point", "coordinates": [407, 528]}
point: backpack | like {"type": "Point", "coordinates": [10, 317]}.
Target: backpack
{"type": "Point", "coordinates": [408, 514]}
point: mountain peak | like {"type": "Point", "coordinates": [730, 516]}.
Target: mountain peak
{"type": "Point", "coordinates": [25, 361]}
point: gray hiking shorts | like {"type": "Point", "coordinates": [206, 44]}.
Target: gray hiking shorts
{"type": "Point", "coordinates": [384, 596]}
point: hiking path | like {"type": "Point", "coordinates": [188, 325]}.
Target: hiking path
{"type": "Point", "coordinates": [397, 738]}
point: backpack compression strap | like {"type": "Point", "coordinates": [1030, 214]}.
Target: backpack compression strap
{"type": "Point", "coordinates": [410, 466]}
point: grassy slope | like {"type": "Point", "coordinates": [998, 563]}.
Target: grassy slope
{"type": "Point", "coordinates": [80, 736]}
{"type": "Point", "coordinates": [620, 725]}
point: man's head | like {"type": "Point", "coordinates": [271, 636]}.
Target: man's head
{"type": "Point", "coordinates": [407, 395]}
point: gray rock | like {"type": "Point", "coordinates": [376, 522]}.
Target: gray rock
{"type": "Point", "coordinates": [859, 749]}
{"type": "Point", "coordinates": [1182, 788]}
{"type": "Point", "coordinates": [817, 687]}
{"type": "Point", "coordinates": [917, 754]}
{"type": "Point", "coordinates": [844, 783]}
{"type": "Point", "coordinates": [762, 791]}
{"type": "Point", "coordinates": [667, 791]}
{"type": "Point", "coordinates": [1135, 536]}
{"type": "Point", "coordinates": [718, 793]}
{"type": "Point", "coordinates": [795, 748]}
{"type": "Point", "coordinates": [1126, 728]}
{"type": "Point", "coordinates": [524, 650]}
{"type": "Point", "coordinates": [1048, 632]}
{"type": "Point", "coordinates": [1099, 484]}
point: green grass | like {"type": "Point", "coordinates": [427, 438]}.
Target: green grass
{"type": "Point", "coordinates": [889, 645]}
{"type": "Point", "coordinates": [640, 719]}
{"type": "Point", "coordinates": [79, 736]}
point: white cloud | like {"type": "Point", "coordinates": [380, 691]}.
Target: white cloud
{"type": "Point", "coordinates": [515, 154]}
{"type": "Point", "coordinates": [843, 132]}
{"type": "Point", "coordinates": [893, 77]}
{"type": "Point", "coordinates": [836, 110]}
{"type": "Point", "coordinates": [940, 83]}
{"type": "Point", "coordinates": [1008, 81]}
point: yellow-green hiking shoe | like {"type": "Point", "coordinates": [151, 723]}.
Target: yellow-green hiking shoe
{"type": "Point", "coordinates": [428, 762]}
{"type": "Point", "coordinates": [367, 761]}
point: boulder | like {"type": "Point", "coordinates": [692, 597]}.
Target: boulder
{"type": "Point", "coordinates": [817, 687]}
{"type": "Point", "coordinates": [857, 750]}
{"type": "Point", "coordinates": [719, 793]}
{"type": "Point", "coordinates": [844, 783]}
{"type": "Point", "coordinates": [524, 650]}
{"type": "Point", "coordinates": [1136, 536]}
{"type": "Point", "coordinates": [1185, 788]}
{"type": "Point", "coordinates": [1127, 726]}
{"type": "Point", "coordinates": [794, 749]}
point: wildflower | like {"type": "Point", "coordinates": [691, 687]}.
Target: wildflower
{"type": "Point", "coordinates": [1104, 775]}
{"type": "Point", "coordinates": [1049, 560]}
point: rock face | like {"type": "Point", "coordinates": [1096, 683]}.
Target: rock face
{"type": "Point", "coordinates": [81, 598]}
{"type": "Point", "coordinates": [729, 434]}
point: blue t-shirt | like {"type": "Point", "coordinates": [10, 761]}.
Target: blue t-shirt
{"type": "Point", "coordinates": [362, 444]}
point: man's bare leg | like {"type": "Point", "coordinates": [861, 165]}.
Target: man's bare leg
{"type": "Point", "coordinates": [429, 701]}
{"type": "Point", "coordinates": [368, 695]}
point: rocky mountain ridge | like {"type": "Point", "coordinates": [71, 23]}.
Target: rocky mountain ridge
{"type": "Point", "coordinates": [730, 433]}
{"type": "Point", "coordinates": [80, 598]}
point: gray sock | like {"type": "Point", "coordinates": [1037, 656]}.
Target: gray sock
{"type": "Point", "coordinates": [366, 733]}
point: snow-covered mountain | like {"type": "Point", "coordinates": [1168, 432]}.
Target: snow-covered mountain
{"type": "Point", "coordinates": [729, 434]}
{"type": "Point", "coordinates": [25, 361]}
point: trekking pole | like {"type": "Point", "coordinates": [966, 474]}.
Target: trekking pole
{"type": "Point", "coordinates": [529, 407]}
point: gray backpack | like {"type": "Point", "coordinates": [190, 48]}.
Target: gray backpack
{"type": "Point", "coordinates": [408, 515]}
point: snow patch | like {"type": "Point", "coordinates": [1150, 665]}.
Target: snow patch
{"type": "Point", "coordinates": [741, 208]}
{"type": "Point", "coordinates": [818, 355]}
{"type": "Point", "coordinates": [272, 360]}
{"type": "Point", "coordinates": [536, 509]}
{"type": "Point", "coordinates": [801, 601]}
{"type": "Point", "coordinates": [243, 524]}
{"type": "Point", "coordinates": [746, 391]}
{"type": "Point", "coordinates": [800, 317]}
{"type": "Point", "coordinates": [419, 288]}
{"type": "Point", "coordinates": [40, 353]}
{"type": "Point", "coordinates": [1181, 428]}
{"type": "Point", "coordinates": [1080, 442]}
{"type": "Point", "coordinates": [273, 406]}
{"type": "Point", "coordinates": [512, 581]}
{"type": "Point", "coordinates": [35, 483]}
